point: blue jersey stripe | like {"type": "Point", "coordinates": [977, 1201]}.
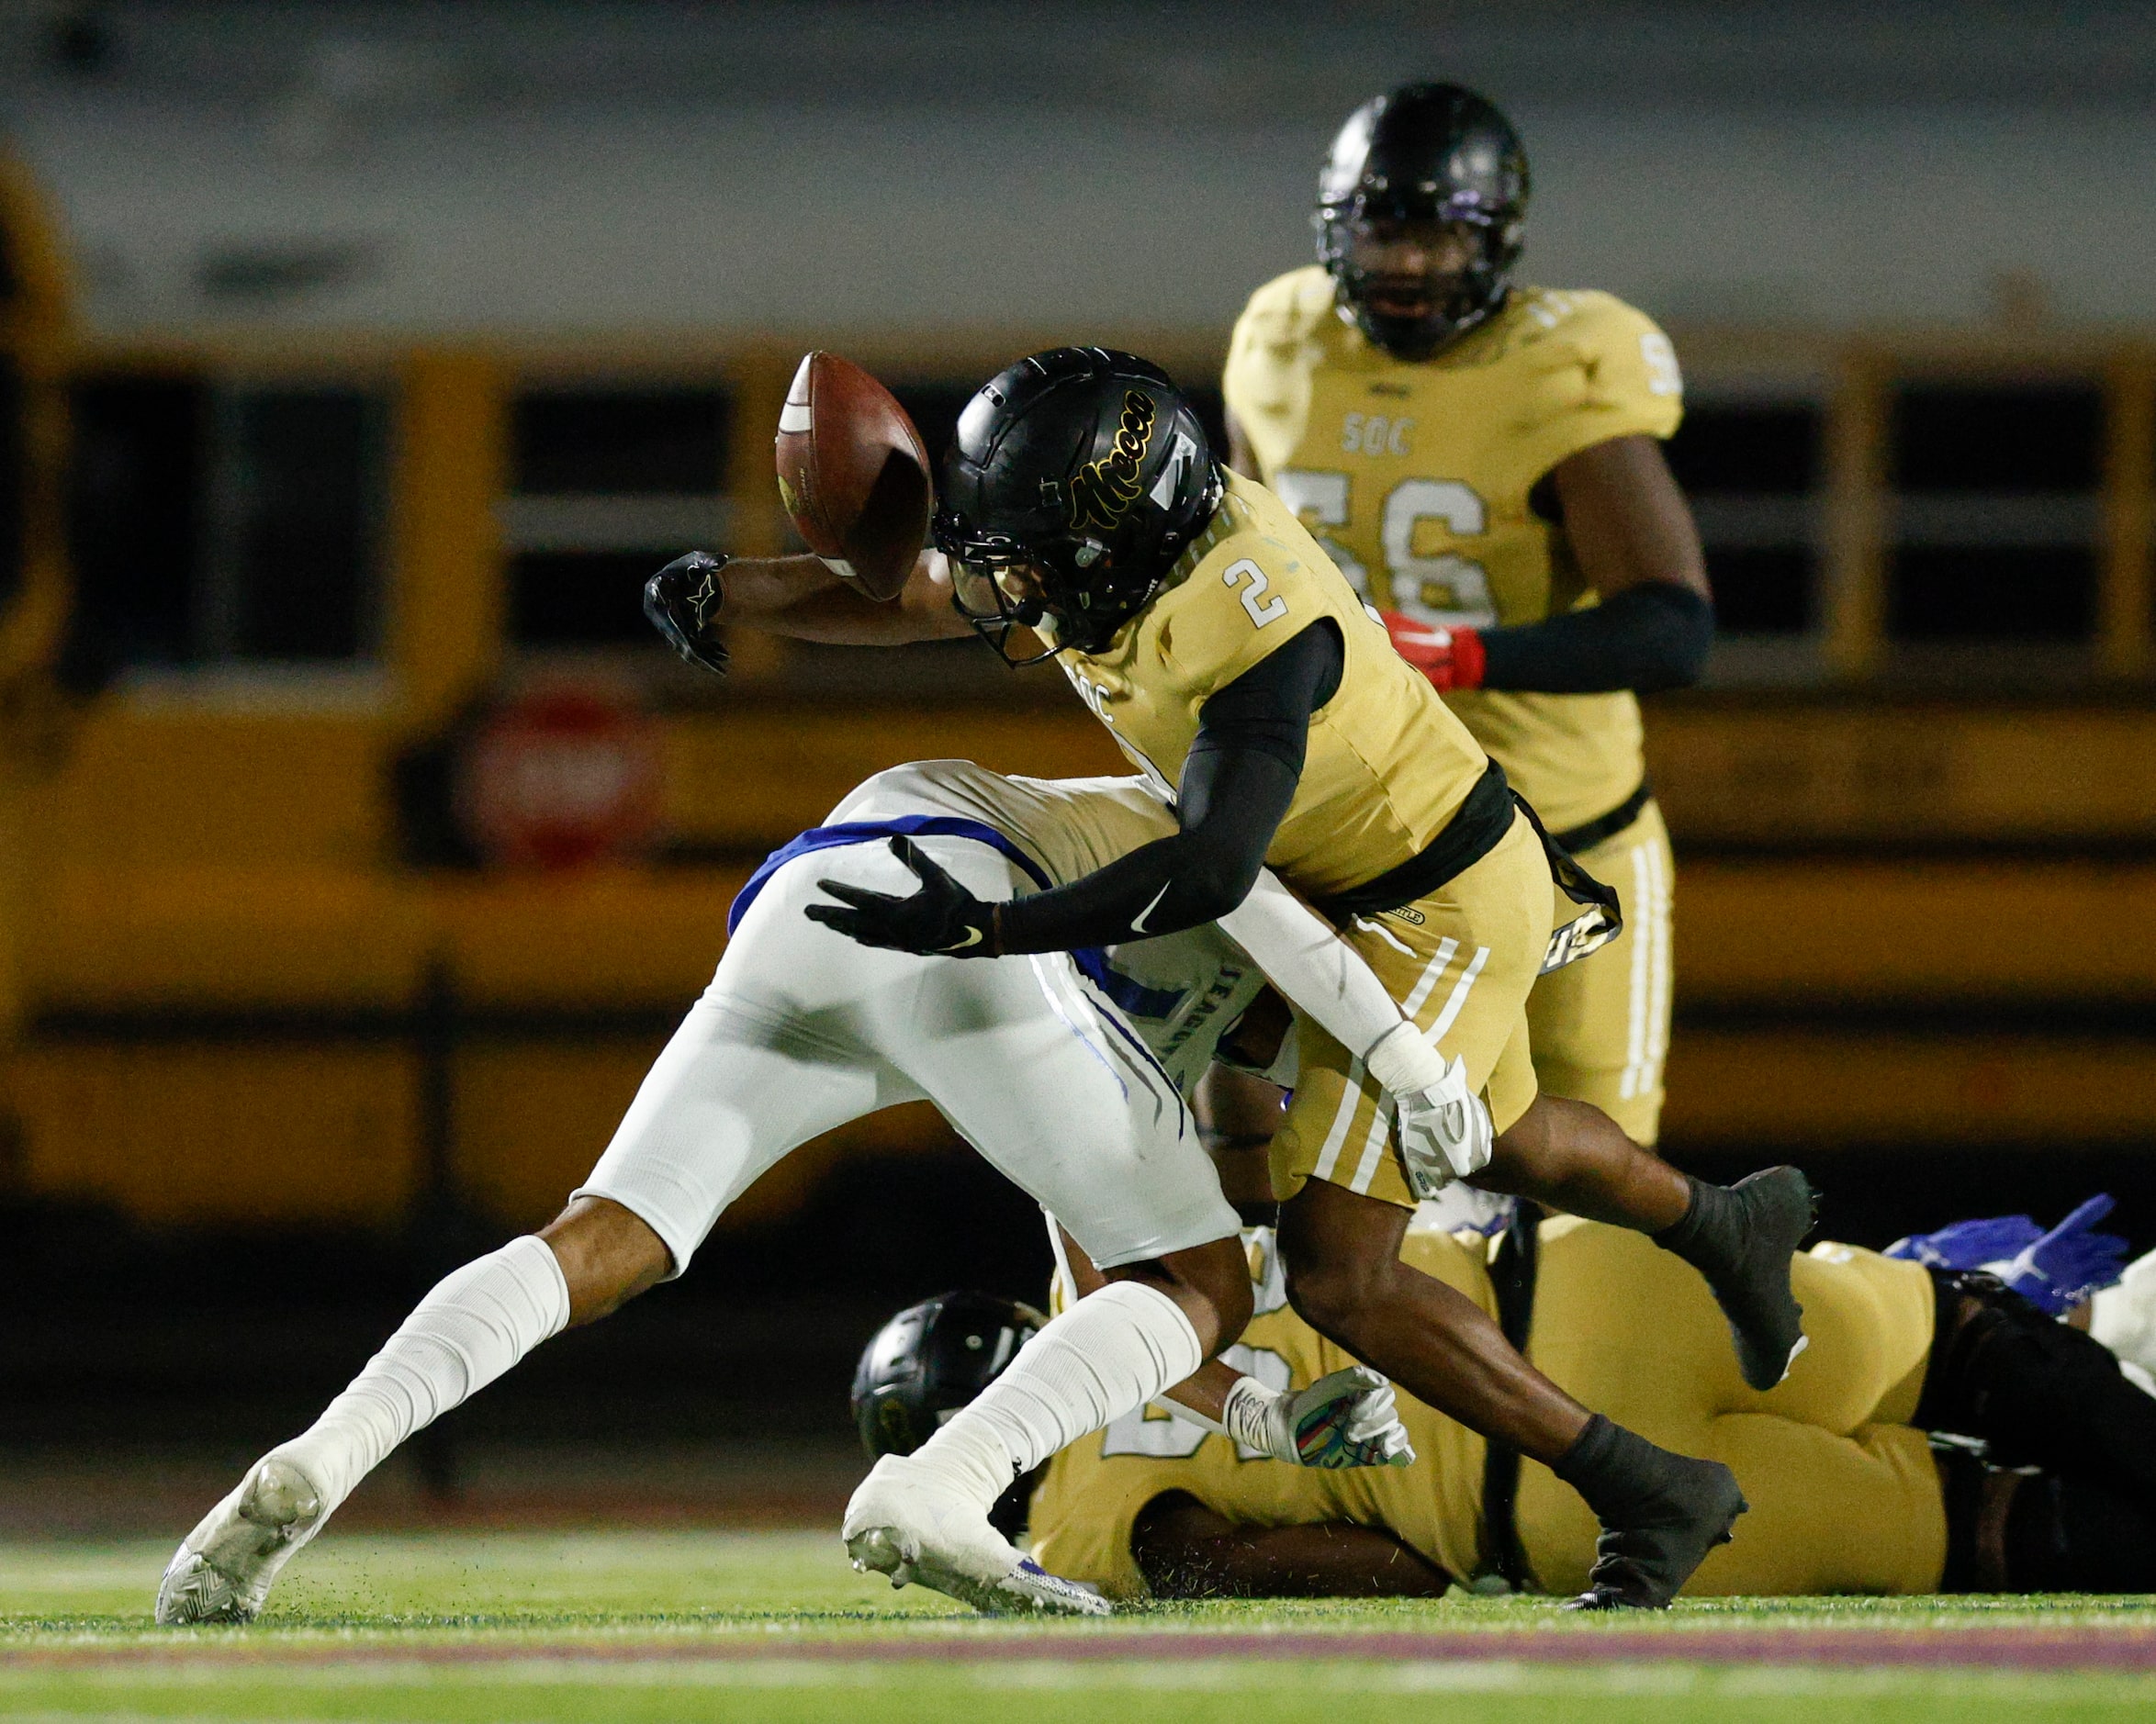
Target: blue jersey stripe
{"type": "Point", "coordinates": [1126, 991]}
{"type": "Point", "coordinates": [868, 832]}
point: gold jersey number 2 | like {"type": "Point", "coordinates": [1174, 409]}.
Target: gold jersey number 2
{"type": "Point", "coordinates": [1446, 590]}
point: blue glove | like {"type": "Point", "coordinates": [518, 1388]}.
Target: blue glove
{"type": "Point", "coordinates": [2069, 1263]}
{"type": "Point", "coordinates": [2054, 1270]}
{"type": "Point", "coordinates": [1969, 1244]}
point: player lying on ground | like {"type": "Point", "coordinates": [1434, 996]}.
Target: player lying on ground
{"type": "Point", "coordinates": [1236, 666]}
{"type": "Point", "coordinates": [1035, 1062]}
{"type": "Point", "coordinates": [1847, 1493]}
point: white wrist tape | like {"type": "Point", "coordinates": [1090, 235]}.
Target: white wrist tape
{"type": "Point", "coordinates": [1404, 1063]}
{"type": "Point", "coordinates": [1251, 1416]}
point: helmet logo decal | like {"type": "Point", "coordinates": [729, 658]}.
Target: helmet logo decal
{"type": "Point", "coordinates": [1179, 461]}
{"type": "Point", "coordinates": [1102, 492]}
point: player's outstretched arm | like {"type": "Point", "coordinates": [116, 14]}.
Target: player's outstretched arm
{"type": "Point", "coordinates": [1237, 786]}
{"type": "Point", "coordinates": [694, 598]}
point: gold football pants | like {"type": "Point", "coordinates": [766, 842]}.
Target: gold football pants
{"type": "Point", "coordinates": [1844, 1494]}
{"type": "Point", "coordinates": [1460, 962]}
{"type": "Point", "coordinates": [1601, 1027]}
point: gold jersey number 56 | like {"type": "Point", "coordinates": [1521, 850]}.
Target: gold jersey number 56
{"type": "Point", "coordinates": [1446, 590]}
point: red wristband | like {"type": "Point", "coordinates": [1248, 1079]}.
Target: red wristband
{"type": "Point", "coordinates": [1452, 658]}
{"type": "Point", "coordinates": [1467, 659]}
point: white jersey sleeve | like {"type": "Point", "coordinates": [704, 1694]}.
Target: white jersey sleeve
{"type": "Point", "coordinates": [1318, 972]}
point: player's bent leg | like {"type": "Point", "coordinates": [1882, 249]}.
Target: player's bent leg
{"type": "Point", "coordinates": [731, 1093]}
{"type": "Point", "coordinates": [1346, 1281]}
{"type": "Point", "coordinates": [473, 1327]}
{"type": "Point", "coordinates": [1662, 1512]}
{"type": "Point", "coordinates": [924, 1517]}
{"type": "Point", "coordinates": [1741, 1236]}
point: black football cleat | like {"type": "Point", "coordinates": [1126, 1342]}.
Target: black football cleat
{"type": "Point", "coordinates": [1741, 1238]}
{"type": "Point", "coordinates": [1661, 1515]}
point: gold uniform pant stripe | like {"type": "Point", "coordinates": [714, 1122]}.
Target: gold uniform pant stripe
{"type": "Point", "coordinates": [1382, 1111]}
{"type": "Point", "coordinates": [1646, 1043]}
{"type": "Point", "coordinates": [1343, 1116]}
{"type": "Point", "coordinates": [1452, 1007]}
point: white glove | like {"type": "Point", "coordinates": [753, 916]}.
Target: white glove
{"type": "Point", "coordinates": [1346, 1419]}
{"type": "Point", "coordinates": [2123, 1317]}
{"type": "Point", "coordinates": [1442, 1126]}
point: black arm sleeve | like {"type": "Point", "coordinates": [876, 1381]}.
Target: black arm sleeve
{"type": "Point", "coordinates": [1237, 786]}
{"type": "Point", "coordinates": [1652, 636]}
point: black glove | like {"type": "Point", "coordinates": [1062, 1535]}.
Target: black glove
{"type": "Point", "coordinates": [943, 919]}
{"type": "Point", "coordinates": [682, 601]}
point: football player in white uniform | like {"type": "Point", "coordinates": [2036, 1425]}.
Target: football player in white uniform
{"type": "Point", "coordinates": [1067, 1070]}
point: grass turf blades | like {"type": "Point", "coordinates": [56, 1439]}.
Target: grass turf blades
{"type": "Point", "coordinates": [775, 1625]}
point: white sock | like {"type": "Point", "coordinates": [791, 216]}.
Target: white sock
{"type": "Point", "coordinates": [1115, 1349]}
{"type": "Point", "coordinates": [470, 1329]}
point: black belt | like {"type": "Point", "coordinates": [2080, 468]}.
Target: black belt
{"type": "Point", "coordinates": [1474, 830]}
{"type": "Point", "coordinates": [1511, 1278]}
{"type": "Point", "coordinates": [1585, 837]}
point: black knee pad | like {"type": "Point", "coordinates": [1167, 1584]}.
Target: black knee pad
{"type": "Point", "coordinates": [2035, 1391]}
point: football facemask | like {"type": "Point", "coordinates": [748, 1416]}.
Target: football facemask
{"type": "Point", "coordinates": [1413, 272]}
{"type": "Point", "coordinates": [998, 587]}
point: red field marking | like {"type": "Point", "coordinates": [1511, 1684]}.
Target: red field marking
{"type": "Point", "coordinates": [2016, 1648]}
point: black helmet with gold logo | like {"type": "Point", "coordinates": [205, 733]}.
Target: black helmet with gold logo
{"type": "Point", "coordinates": [1076, 478]}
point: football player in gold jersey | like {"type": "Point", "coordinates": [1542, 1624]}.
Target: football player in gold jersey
{"type": "Point", "coordinates": [1483, 460]}
{"type": "Point", "coordinates": [1847, 1493]}
{"type": "Point", "coordinates": [1235, 667]}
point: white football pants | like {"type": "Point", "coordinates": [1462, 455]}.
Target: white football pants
{"type": "Point", "coordinates": [803, 1030]}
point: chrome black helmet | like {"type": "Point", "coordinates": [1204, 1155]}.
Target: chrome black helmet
{"type": "Point", "coordinates": [1075, 480]}
{"type": "Point", "coordinates": [930, 1360]}
{"type": "Point", "coordinates": [1427, 156]}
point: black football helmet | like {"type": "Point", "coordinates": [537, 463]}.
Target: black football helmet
{"type": "Point", "coordinates": [1075, 480]}
{"type": "Point", "coordinates": [930, 1360]}
{"type": "Point", "coordinates": [1425, 154]}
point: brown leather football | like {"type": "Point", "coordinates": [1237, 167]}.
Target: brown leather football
{"type": "Point", "coordinates": [853, 474]}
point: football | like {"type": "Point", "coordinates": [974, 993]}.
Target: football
{"type": "Point", "coordinates": [853, 474]}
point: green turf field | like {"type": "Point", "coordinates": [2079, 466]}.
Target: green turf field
{"type": "Point", "coordinates": [774, 1625]}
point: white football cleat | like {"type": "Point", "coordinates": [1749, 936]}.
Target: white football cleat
{"type": "Point", "coordinates": [908, 1522]}
{"type": "Point", "coordinates": [224, 1569]}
